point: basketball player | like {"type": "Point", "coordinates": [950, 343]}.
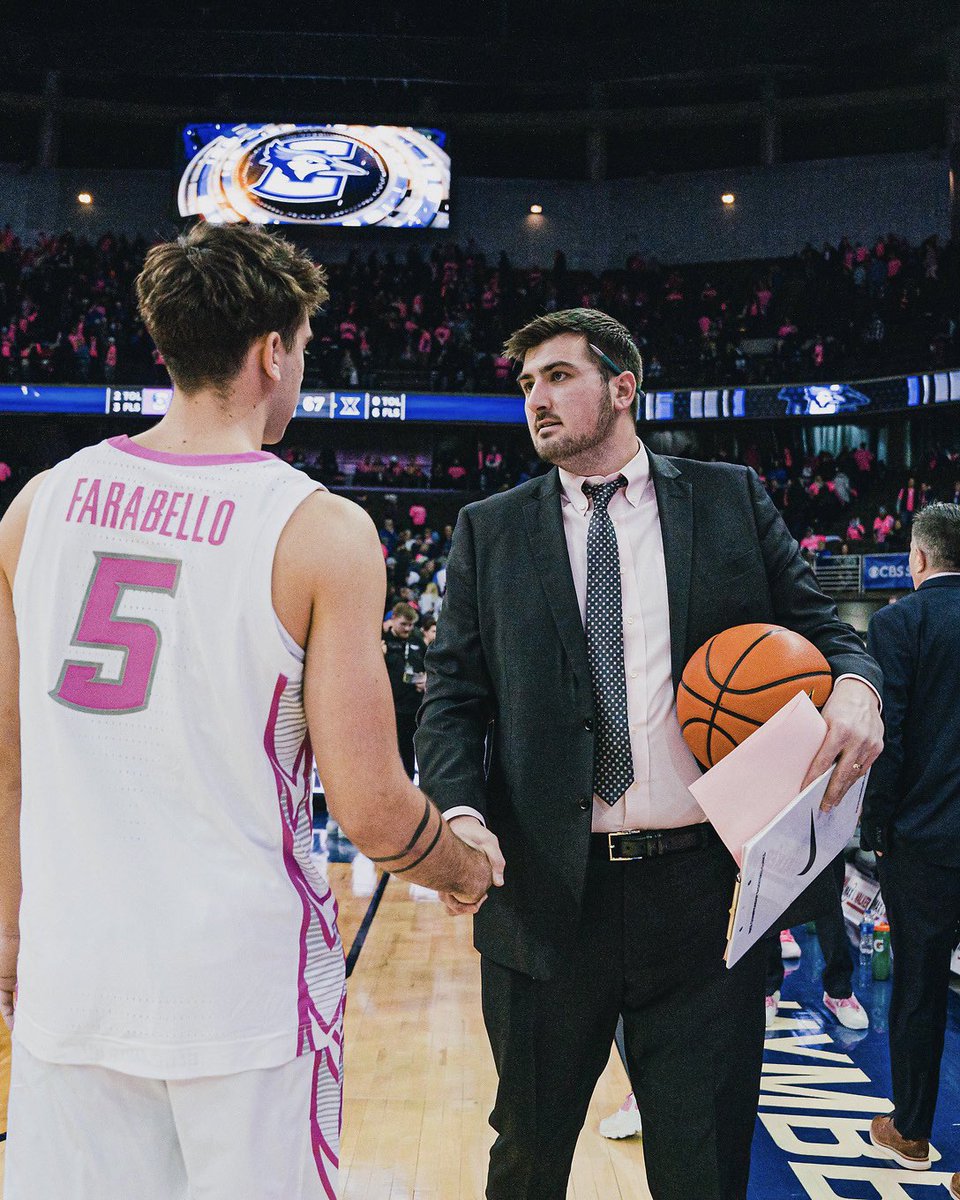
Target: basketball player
{"type": "Point", "coordinates": [188, 612]}
{"type": "Point", "coordinates": [549, 724]}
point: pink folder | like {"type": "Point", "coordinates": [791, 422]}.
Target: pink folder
{"type": "Point", "coordinates": [755, 782]}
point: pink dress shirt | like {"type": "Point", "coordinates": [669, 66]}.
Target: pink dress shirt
{"type": "Point", "coordinates": [663, 766]}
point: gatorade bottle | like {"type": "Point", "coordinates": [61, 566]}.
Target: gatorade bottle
{"type": "Point", "coordinates": [881, 950]}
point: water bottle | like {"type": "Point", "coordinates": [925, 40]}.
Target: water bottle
{"type": "Point", "coordinates": [866, 935]}
{"type": "Point", "coordinates": [881, 950]}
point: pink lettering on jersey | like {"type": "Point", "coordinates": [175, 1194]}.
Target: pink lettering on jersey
{"type": "Point", "coordinates": [131, 514]}
{"type": "Point", "coordinates": [90, 503]}
{"type": "Point", "coordinates": [204, 501]}
{"type": "Point", "coordinates": [151, 518]}
{"type": "Point", "coordinates": [75, 499]}
{"type": "Point", "coordinates": [180, 535]}
{"type": "Point", "coordinates": [221, 522]}
{"type": "Point", "coordinates": [181, 515]}
{"type": "Point", "coordinates": [111, 506]}
{"type": "Point", "coordinates": [172, 511]}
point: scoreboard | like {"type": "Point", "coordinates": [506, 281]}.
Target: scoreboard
{"type": "Point", "coordinates": [355, 405]}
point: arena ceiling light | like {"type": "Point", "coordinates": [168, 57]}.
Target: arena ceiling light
{"type": "Point", "coordinates": [536, 209]}
{"type": "Point", "coordinates": [85, 198]}
{"type": "Point", "coordinates": [727, 198]}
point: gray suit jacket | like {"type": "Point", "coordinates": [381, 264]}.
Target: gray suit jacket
{"type": "Point", "coordinates": [506, 724]}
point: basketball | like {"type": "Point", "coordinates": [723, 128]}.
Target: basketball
{"type": "Point", "coordinates": [739, 679]}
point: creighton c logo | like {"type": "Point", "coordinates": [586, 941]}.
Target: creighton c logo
{"type": "Point", "coordinates": [312, 174]}
{"type": "Point", "coordinates": [317, 175]}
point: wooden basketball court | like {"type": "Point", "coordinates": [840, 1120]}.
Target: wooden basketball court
{"type": "Point", "coordinates": [419, 1079]}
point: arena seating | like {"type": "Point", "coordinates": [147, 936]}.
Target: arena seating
{"type": "Point", "coordinates": [438, 321]}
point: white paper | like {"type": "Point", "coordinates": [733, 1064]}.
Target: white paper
{"type": "Point", "coordinates": [786, 856]}
{"type": "Point", "coordinates": [757, 780]}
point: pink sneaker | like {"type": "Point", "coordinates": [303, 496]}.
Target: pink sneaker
{"type": "Point", "coordinates": [788, 945]}
{"type": "Point", "coordinates": [849, 1011]}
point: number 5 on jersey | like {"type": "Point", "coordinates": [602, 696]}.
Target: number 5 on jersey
{"type": "Point", "coordinates": [81, 684]}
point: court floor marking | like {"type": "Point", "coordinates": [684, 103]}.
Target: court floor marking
{"type": "Point", "coordinates": [361, 934]}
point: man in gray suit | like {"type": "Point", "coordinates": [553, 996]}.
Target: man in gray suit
{"type": "Point", "coordinates": [549, 728]}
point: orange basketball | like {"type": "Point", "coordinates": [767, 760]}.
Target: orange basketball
{"type": "Point", "coordinates": [739, 679]}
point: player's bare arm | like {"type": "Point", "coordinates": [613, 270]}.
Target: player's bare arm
{"type": "Point", "coordinates": [329, 590]}
{"type": "Point", "coordinates": [11, 538]}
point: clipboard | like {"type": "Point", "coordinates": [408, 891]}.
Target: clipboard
{"type": "Point", "coordinates": [780, 861]}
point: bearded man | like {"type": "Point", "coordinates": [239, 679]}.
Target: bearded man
{"type": "Point", "coordinates": [549, 727]}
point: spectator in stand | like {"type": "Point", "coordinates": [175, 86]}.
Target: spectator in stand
{"type": "Point", "coordinates": [388, 535]}
{"type": "Point", "coordinates": [908, 501]}
{"type": "Point", "coordinates": [864, 460]}
{"type": "Point", "coordinates": [812, 542]}
{"type": "Point", "coordinates": [418, 515]}
{"type": "Point", "coordinates": [883, 524]}
{"type": "Point", "coordinates": [404, 651]}
{"type": "Point", "coordinates": [110, 361]}
{"type": "Point", "coordinates": [430, 602]}
{"type": "Point", "coordinates": [842, 489]}
{"type": "Point", "coordinates": [457, 474]}
{"type": "Point", "coordinates": [492, 468]}
{"type": "Point", "coordinates": [855, 530]}
{"type": "Point", "coordinates": [428, 630]}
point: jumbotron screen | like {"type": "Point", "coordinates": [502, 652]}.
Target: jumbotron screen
{"type": "Point", "coordinates": [321, 175]}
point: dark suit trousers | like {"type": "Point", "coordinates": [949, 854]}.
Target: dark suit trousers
{"type": "Point", "coordinates": [649, 944]}
{"type": "Point", "coordinates": [923, 905]}
{"type": "Point", "coordinates": [406, 728]}
{"type": "Point", "coordinates": [832, 936]}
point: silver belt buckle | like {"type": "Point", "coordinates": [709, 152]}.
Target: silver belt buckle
{"type": "Point", "coordinates": [621, 833]}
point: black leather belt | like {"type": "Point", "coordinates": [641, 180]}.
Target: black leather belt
{"type": "Point", "coordinates": [634, 844]}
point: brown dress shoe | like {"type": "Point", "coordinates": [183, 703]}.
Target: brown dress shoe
{"type": "Point", "coordinates": [914, 1154]}
{"type": "Point", "coordinates": [955, 1185]}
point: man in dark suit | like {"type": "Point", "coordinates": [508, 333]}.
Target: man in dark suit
{"type": "Point", "coordinates": [403, 652]}
{"type": "Point", "coordinates": [911, 817]}
{"type": "Point", "coordinates": [549, 725]}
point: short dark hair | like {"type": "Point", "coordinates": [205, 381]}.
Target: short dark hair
{"type": "Point", "coordinates": [936, 530]}
{"type": "Point", "coordinates": [208, 295]}
{"type": "Point", "coordinates": [428, 622]}
{"type": "Point", "coordinates": [603, 331]}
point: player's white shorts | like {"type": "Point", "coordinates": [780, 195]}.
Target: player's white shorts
{"type": "Point", "coordinates": [87, 1133]}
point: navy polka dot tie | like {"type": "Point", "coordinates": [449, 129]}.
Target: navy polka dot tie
{"type": "Point", "coordinates": [613, 757]}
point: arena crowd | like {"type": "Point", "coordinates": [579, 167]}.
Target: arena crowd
{"type": "Point", "coordinates": [437, 320]}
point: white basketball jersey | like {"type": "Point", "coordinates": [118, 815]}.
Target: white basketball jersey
{"type": "Point", "coordinates": [172, 923]}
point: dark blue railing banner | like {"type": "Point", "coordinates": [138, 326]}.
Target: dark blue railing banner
{"type": "Point", "coordinates": [812, 400]}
